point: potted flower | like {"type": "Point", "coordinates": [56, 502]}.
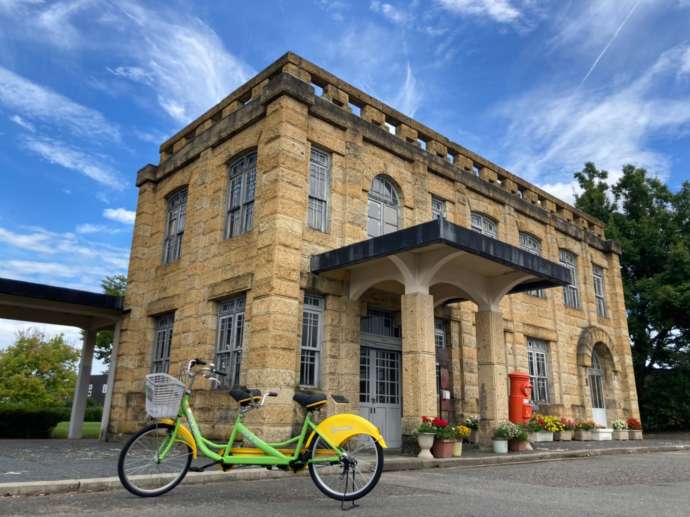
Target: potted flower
{"type": "Point", "coordinates": [620, 429]}
{"type": "Point", "coordinates": [426, 433]}
{"type": "Point", "coordinates": [583, 430]}
{"type": "Point", "coordinates": [602, 434]}
{"type": "Point", "coordinates": [634, 429]}
{"type": "Point", "coordinates": [566, 433]}
{"type": "Point", "coordinates": [502, 434]}
{"type": "Point", "coordinates": [519, 441]}
{"type": "Point", "coordinates": [541, 428]}
{"type": "Point", "coordinates": [462, 432]}
{"type": "Point", "coordinates": [533, 428]}
{"type": "Point", "coordinates": [445, 438]}
{"type": "Point", "coordinates": [472, 423]}
{"type": "Point", "coordinates": [552, 425]}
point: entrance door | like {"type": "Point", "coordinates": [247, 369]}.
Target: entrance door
{"type": "Point", "coordinates": [596, 387]}
{"type": "Point", "coordinates": [379, 392]}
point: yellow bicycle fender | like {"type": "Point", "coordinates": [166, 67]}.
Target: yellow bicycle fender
{"type": "Point", "coordinates": [338, 428]}
{"type": "Point", "coordinates": [183, 435]}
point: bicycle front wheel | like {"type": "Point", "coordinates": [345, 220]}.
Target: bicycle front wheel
{"type": "Point", "coordinates": [355, 475]}
{"type": "Point", "coordinates": [140, 468]}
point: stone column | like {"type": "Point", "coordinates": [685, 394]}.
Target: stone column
{"type": "Point", "coordinates": [76, 421]}
{"type": "Point", "coordinates": [493, 389]}
{"type": "Point", "coordinates": [418, 359]}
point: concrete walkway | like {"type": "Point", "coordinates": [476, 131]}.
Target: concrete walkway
{"type": "Point", "coordinates": [31, 467]}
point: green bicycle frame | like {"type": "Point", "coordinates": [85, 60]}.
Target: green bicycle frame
{"type": "Point", "coordinates": [264, 453]}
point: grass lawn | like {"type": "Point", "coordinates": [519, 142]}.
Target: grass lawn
{"type": "Point", "coordinates": [90, 430]}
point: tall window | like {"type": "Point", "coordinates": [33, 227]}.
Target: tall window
{"type": "Point", "coordinates": [438, 208]}
{"type": "Point", "coordinates": [160, 360]}
{"type": "Point", "coordinates": [241, 186]}
{"type": "Point", "coordinates": [310, 362]}
{"type": "Point", "coordinates": [571, 296]}
{"type": "Point", "coordinates": [440, 333]}
{"type": "Point", "coordinates": [230, 339]}
{"type": "Point", "coordinates": [537, 355]}
{"type": "Point", "coordinates": [598, 276]}
{"type": "Point", "coordinates": [174, 228]}
{"type": "Point", "coordinates": [483, 224]}
{"type": "Point", "coordinates": [384, 207]}
{"type": "Point", "coordinates": [532, 245]}
{"type": "Point", "coordinates": [319, 186]}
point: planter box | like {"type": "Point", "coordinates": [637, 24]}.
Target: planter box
{"type": "Point", "coordinates": [620, 435]}
{"type": "Point", "coordinates": [443, 448]}
{"type": "Point", "coordinates": [582, 436]}
{"type": "Point", "coordinates": [602, 435]}
{"type": "Point", "coordinates": [635, 434]}
{"type": "Point", "coordinates": [540, 436]}
{"type": "Point", "coordinates": [500, 446]}
{"type": "Point", "coordinates": [563, 436]}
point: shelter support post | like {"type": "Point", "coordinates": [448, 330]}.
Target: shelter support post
{"type": "Point", "coordinates": [76, 422]}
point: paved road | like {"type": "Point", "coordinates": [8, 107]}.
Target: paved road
{"type": "Point", "coordinates": [647, 484]}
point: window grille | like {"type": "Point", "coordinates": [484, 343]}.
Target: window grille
{"type": "Point", "coordinates": [162, 339]}
{"type": "Point", "coordinates": [319, 187]}
{"type": "Point", "coordinates": [571, 296]}
{"type": "Point", "coordinates": [537, 357]}
{"type": "Point", "coordinates": [174, 229]}
{"type": "Point", "coordinates": [598, 275]}
{"type": "Point", "coordinates": [483, 224]}
{"type": "Point", "coordinates": [438, 208]}
{"type": "Point", "coordinates": [383, 208]}
{"type": "Point", "coordinates": [241, 188]}
{"type": "Point", "coordinates": [312, 337]}
{"type": "Point", "coordinates": [230, 339]}
{"type": "Point", "coordinates": [440, 333]}
{"type": "Point", "coordinates": [380, 323]}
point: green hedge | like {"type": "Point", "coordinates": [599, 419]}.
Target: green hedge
{"type": "Point", "coordinates": [31, 422]}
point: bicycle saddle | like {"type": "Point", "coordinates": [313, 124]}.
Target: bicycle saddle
{"type": "Point", "coordinates": [244, 395]}
{"type": "Point", "coordinates": [310, 399]}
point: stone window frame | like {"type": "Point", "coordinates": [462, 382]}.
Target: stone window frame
{"type": "Point", "coordinates": [164, 325]}
{"type": "Point", "coordinates": [241, 168]}
{"type": "Point", "coordinates": [318, 201]}
{"type": "Point", "coordinates": [438, 207]}
{"type": "Point", "coordinates": [230, 333]}
{"type": "Point", "coordinates": [541, 380]}
{"type": "Point", "coordinates": [482, 223]}
{"type": "Point", "coordinates": [311, 340]}
{"type": "Point", "coordinates": [571, 293]}
{"type": "Point", "coordinates": [388, 196]}
{"type": "Point", "coordinates": [532, 244]}
{"type": "Point", "coordinates": [175, 216]}
{"type": "Point", "coordinates": [599, 280]}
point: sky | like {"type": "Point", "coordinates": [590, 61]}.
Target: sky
{"type": "Point", "coordinates": [90, 88]}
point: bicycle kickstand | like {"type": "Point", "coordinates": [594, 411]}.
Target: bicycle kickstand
{"type": "Point", "coordinates": [342, 501]}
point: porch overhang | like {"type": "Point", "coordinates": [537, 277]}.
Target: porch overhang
{"type": "Point", "coordinates": [451, 262]}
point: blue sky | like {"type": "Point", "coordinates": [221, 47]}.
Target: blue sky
{"type": "Point", "coordinates": [90, 88]}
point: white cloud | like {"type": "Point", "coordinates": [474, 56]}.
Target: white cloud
{"type": "Point", "coordinates": [38, 103]}
{"type": "Point", "coordinates": [389, 11]}
{"type": "Point", "coordinates": [120, 215]}
{"type": "Point", "coordinates": [35, 241]}
{"type": "Point", "coordinates": [88, 228]}
{"type": "Point", "coordinates": [133, 73]}
{"type": "Point", "coordinates": [23, 123]}
{"type": "Point", "coordinates": [71, 158]}
{"type": "Point", "coordinates": [409, 98]}
{"type": "Point", "coordinates": [553, 131]}
{"type": "Point", "coordinates": [501, 11]}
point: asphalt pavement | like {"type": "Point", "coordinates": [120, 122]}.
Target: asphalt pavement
{"type": "Point", "coordinates": [655, 484]}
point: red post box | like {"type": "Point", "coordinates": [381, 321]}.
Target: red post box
{"type": "Point", "coordinates": [520, 406]}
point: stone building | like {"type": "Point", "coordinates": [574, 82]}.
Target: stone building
{"type": "Point", "coordinates": [304, 234]}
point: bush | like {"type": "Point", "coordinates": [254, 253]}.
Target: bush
{"type": "Point", "coordinates": [19, 421]}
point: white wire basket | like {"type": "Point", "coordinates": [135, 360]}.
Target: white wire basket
{"type": "Point", "coordinates": [163, 395]}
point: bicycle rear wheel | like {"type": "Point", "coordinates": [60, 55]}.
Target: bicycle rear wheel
{"type": "Point", "coordinates": [355, 475]}
{"type": "Point", "coordinates": [139, 469]}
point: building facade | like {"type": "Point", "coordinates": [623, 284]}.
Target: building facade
{"type": "Point", "coordinates": [303, 234]}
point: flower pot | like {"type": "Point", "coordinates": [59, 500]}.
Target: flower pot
{"type": "Point", "coordinates": [425, 442]}
{"type": "Point", "coordinates": [544, 436]}
{"type": "Point", "coordinates": [621, 434]}
{"type": "Point", "coordinates": [442, 448]}
{"type": "Point", "coordinates": [474, 436]}
{"type": "Point", "coordinates": [519, 446]}
{"type": "Point", "coordinates": [635, 434]}
{"type": "Point", "coordinates": [581, 435]}
{"type": "Point", "coordinates": [500, 446]}
{"type": "Point", "coordinates": [457, 449]}
{"type": "Point", "coordinates": [563, 436]}
{"type": "Point", "coordinates": [602, 435]}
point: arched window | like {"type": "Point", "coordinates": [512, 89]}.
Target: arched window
{"type": "Point", "coordinates": [483, 224]}
{"type": "Point", "coordinates": [241, 186]}
{"type": "Point", "coordinates": [384, 207]}
{"type": "Point", "coordinates": [532, 244]}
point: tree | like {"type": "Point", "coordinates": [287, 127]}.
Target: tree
{"type": "Point", "coordinates": [38, 371]}
{"type": "Point", "coordinates": [652, 225]}
{"type": "Point", "coordinates": [115, 285]}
